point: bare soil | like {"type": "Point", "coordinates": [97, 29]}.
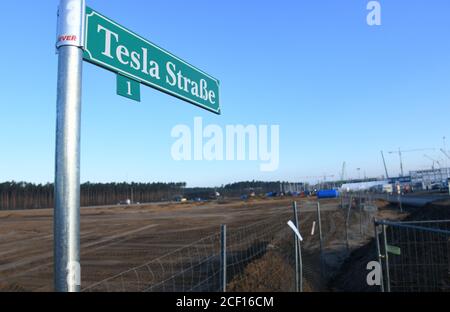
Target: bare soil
{"type": "Point", "coordinates": [116, 238]}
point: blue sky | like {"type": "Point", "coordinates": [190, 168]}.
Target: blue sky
{"type": "Point", "coordinates": [339, 89]}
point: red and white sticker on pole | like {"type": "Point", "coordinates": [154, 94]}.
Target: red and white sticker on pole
{"type": "Point", "coordinates": [70, 30]}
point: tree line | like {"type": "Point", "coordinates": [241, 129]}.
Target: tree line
{"type": "Point", "coordinates": [23, 195]}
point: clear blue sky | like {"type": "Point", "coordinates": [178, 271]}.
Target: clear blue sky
{"type": "Point", "coordinates": [339, 89]}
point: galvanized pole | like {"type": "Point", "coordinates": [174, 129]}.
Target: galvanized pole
{"type": "Point", "coordinates": [223, 256]}
{"type": "Point", "coordinates": [360, 214]}
{"type": "Point", "coordinates": [300, 260]}
{"type": "Point", "coordinates": [300, 263]}
{"type": "Point", "coordinates": [320, 237]}
{"type": "Point", "coordinates": [380, 256]}
{"type": "Point", "coordinates": [67, 155]}
{"type": "Point", "coordinates": [386, 260]}
{"type": "Point", "coordinates": [296, 248]}
{"type": "Point", "coordinates": [347, 223]}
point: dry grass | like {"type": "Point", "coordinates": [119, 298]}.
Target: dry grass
{"type": "Point", "coordinates": [269, 273]}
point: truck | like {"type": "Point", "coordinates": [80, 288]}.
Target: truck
{"type": "Point", "coordinates": [388, 188]}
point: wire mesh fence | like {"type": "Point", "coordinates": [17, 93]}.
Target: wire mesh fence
{"type": "Point", "coordinates": [333, 231]}
{"type": "Point", "coordinates": [250, 252]}
{"type": "Point", "coordinates": [360, 210]}
{"type": "Point", "coordinates": [415, 255]}
{"type": "Point", "coordinates": [260, 256]}
{"type": "Point", "coordinates": [192, 268]}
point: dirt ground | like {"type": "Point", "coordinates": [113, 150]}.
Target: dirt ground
{"type": "Point", "coordinates": [117, 238]}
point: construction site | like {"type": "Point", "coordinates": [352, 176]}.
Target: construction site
{"type": "Point", "coordinates": [225, 148]}
{"type": "Point", "coordinates": [177, 246]}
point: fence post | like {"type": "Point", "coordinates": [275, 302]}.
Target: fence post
{"type": "Point", "coordinates": [347, 222]}
{"type": "Point", "coordinates": [377, 240]}
{"type": "Point", "coordinates": [386, 260]}
{"type": "Point", "coordinates": [360, 216]}
{"type": "Point", "coordinates": [320, 237]}
{"type": "Point", "coordinates": [223, 256]}
{"type": "Point", "coordinates": [300, 262]}
{"type": "Point", "coordinates": [296, 249]}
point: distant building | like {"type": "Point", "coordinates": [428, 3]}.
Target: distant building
{"type": "Point", "coordinates": [427, 178]}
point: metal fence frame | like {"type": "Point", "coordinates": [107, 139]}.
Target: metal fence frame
{"type": "Point", "coordinates": [414, 255]}
{"type": "Point", "coordinates": [212, 263]}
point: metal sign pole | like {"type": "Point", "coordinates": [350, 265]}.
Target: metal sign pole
{"type": "Point", "coordinates": [67, 155]}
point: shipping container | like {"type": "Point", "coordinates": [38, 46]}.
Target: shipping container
{"type": "Point", "coordinates": [327, 194]}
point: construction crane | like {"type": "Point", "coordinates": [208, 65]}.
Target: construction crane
{"type": "Point", "coordinates": [343, 171]}
{"type": "Point", "coordinates": [384, 163]}
{"type": "Point", "coordinates": [434, 161]}
{"type": "Point", "coordinates": [439, 164]}
{"type": "Point", "coordinates": [445, 153]}
{"type": "Point", "coordinates": [400, 153]}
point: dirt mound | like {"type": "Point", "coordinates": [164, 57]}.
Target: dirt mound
{"type": "Point", "coordinates": [267, 274]}
{"type": "Point", "coordinates": [352, 275]}
{"type": "Point", "coordinates": [438, 211]}
{"type": "Point", "coordinates": [270, 273]}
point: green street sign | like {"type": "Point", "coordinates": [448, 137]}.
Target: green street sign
{"type": "Point", "coordinates": [128, 88]}
{"type": "Point", "coordinates": [393, 250]}
{"type": "Point", "coordinates": [113, 47]}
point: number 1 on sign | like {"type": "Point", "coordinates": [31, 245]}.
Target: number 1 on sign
{"type": "Point", "coordinates": [128, 88]}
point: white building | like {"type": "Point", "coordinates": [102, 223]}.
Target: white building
{"type": "Point", "coordinates": [429, 177]}
{"type": "Point", "coordinates": [362, 186]}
